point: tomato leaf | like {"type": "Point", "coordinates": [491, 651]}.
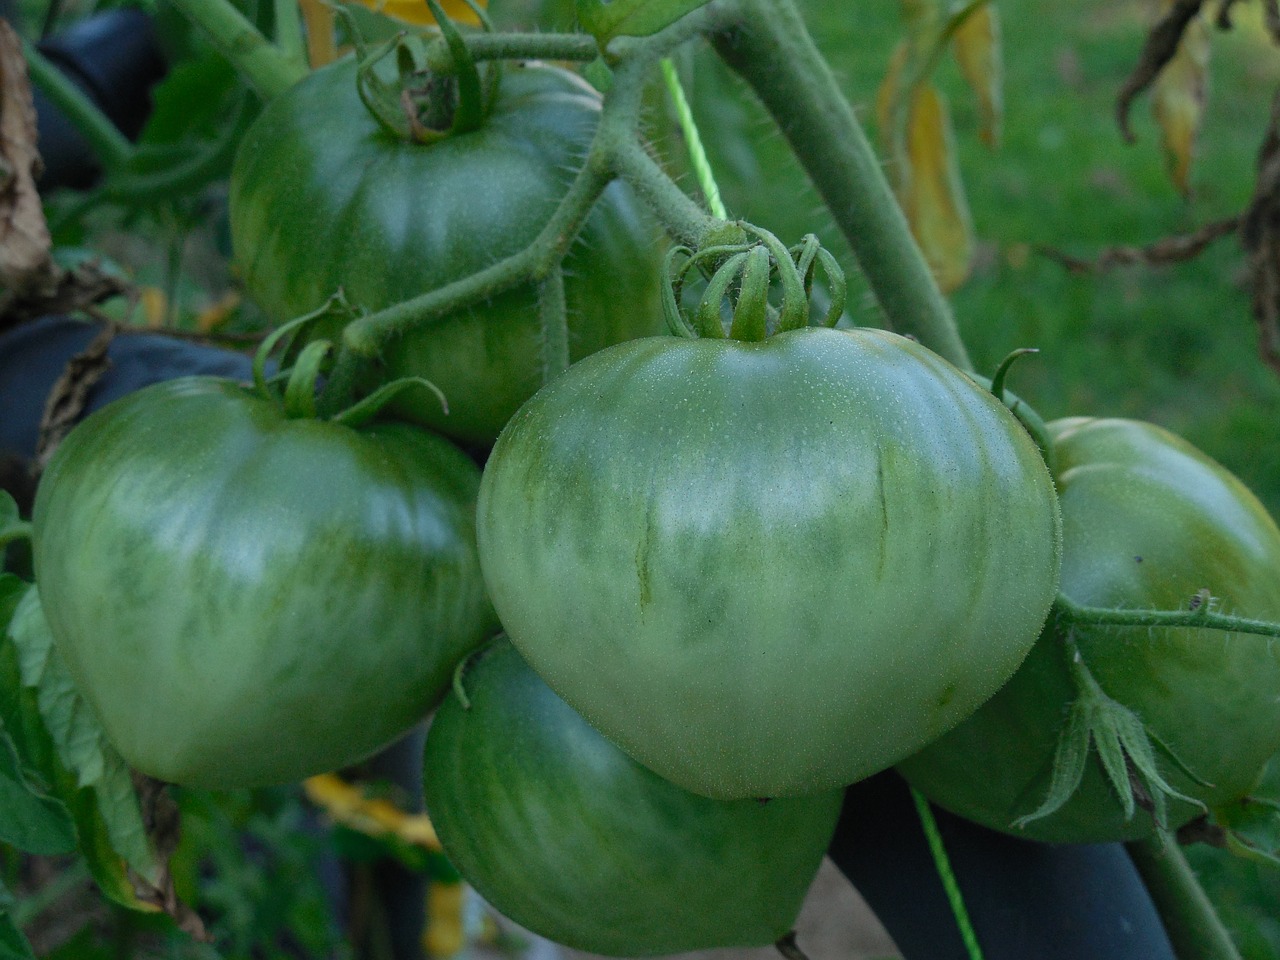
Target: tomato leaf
{"type": "Point", "coordinates": [916, 129]}
{"type": "Point", "coordinates": [1178, 99]}
{"type": "Point", "coordinates": [1252, 825]}
{"type": "Point", "coordinates": [89, 776]}
{"type": "Point", "coordinates": [606, 19]}
{"type": "Point", "coordinates": [12, 525]}
{"type": "Point", "coordinates": [976, 47]}
{"type": "Point", "coordinates": [13, 945]}
{"type": "Point", "coordinates": [30, 818]}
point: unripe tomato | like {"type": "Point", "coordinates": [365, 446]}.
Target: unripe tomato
{"type": "Point", "coordinates": [247, 599]}
{"type": "Point", "coordinates": [769, 568]}
{"type": "Point", "coordinates": [322, 198]}
{"type": "Point", "coordinates": [1148, 522]}
{"type": "Point", "coordinates": [567, 835]}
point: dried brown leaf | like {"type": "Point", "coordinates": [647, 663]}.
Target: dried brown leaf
{"type": "Point", "coordinates": [1178, 100]}
{"type": "Point", "coordinates": [976, 45]}
{"type": "Point", "coordinates": [26, 266]}
{"type": "Point", "coordinates": [70, 394]}
{"type": "Point", "coordinates": [161, 820]}
{"type": "Point", "coordinates": [1260, 234]}
{"type": "Point", "coordinates": [931, 193]}
{"type": "Point", "coordinates": [1160, 47]}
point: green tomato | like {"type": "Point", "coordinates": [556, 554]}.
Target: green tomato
{"type": "Point", "coordinates": [765, 569]}
{"type": "Point", "coordinates": [1148, 521]}
{"type": "Point", "coordinates": [248, 599]}
{"type": "Point", "coordinates": [564, 833]}
{"type": "Point", "coordinates": [323, 198]}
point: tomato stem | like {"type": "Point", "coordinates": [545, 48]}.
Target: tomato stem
{"type": "Point", "coordinates": [1194, 928]}
{"type": "Point", "coordinates": [109, 145]}
{"type": "Point", "coordinates": [267, 68]}
{"type": "Point", "coordinates": [554, 323]}
{"type": "Point", "coordinates": [1202, 616]}
{"type": "Point", "coordinates": [574, 47]}
{"type": "Point", "coordinates": [769, 46]}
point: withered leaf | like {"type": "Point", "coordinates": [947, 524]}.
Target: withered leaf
{"type": "Point", "coordinates": [26, 266]}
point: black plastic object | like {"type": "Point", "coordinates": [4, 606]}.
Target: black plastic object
{"type": "Point", "coordinates": [33, 356]}
{"type": "Point", "coordinates": [1024, 899]}
{"type": "Point", "coordinates": [115, 58]}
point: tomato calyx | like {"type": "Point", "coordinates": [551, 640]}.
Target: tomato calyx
{"type": "Point", "coordinates": [418, 104]}
{"type": "Point", "coordinates": [1126, 748]}
{"type": "Point", "coordinates": [1031, 421]}
{"type": "Point", "coordinates": [743, 273]}
{"type": "Point", "coordinates": [303, 377]}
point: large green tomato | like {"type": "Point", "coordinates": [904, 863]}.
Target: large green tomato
{"type": "Point", "coordinates": [248, 599]}
{"type": "Point", "coordinates": [1148, 521]}
{"type": "Point", "coordinates": [765, 569]}
{"type": "Point", "coordinates": [567, 835]}
{"type": "Point", "coordinates": [323, 198]}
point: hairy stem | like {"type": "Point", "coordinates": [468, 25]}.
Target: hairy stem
{"type": "Point", "coordinates": [1194, 929]}
{"type": "Point", "coordinates": [109, 145]}
{"type": "Point", "coordinates": [554, 320]}
{"type": "Point", "coordinates": [267, 68]}
{"type": "Point", "coordinates": [515, 46]}
{"type": "Point", "coordinates": [771, 49]}
{"type": "Point", "coordinates": [1201, 617]}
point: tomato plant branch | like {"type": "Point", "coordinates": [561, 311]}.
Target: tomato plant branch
{"type": "Point", "coordinates": [554, 322]}
{"type": "Point", "coordinates": [109, 145]}
{"type": "Point", "coordinates": [269, 70]}
{"type": "Point", "coordinates": [1195, 931]}
{"type": "Point", "coordinates": [771, 49]}
{"type": "Point", "coordinates": [681, 217]}
{"type": "Point", "coordinates": [362, 339]}
{"type": "Point", "coordinates": [1201, 616]}
{"type": "Point", "coordinates": [515, 46]}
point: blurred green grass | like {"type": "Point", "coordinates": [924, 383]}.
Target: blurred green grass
{"type": "Point", "coordinates": [1174, 345]}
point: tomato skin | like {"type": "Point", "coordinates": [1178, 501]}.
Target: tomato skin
{"type": "Point", "coordinates": [765, 569]}
{"type": "Point", "coordinates": [564, 833]}
{"type": "Point", "coordinates": [322, 198]}
{"type": "Point", "coordinates": [1148, 521]}
{"type": "Point", "coordinates": [247, 599]}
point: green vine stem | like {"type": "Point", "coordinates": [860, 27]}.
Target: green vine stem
{"type": "Point", "coordinates": [554, 320]}
{"type": "Point", "coordinates": [1194, 929]}
{"type": "Point", "coordinates": [267, 68]}
{"type": "Point", "coordinates": [575, 47]}
{"type": "Point", "coordinates": [109, 145]}
{"type": "Point", "coordinates": [771, 49]}
{"type": "Point", "coordinates": [1201, 616]}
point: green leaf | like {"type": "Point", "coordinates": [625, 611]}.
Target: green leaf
{"type": "Point", "coordinates": [13, 945]}
{"type": "Point", "coordinates": [30, 819]}
{"type": "Point", "coordinates": [92, 779]}
{"type": "Point", "coordinates": [1253, 828]}
{"type": "Point", "coordinates": [12, 526]}
{"type": "Point", "coordinates": [606, 19]}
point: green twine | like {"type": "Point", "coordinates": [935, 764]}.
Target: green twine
{"type": "Point", "coordinates": [701, 166]}
{"type": "Point", "coordinates": [942, 863]}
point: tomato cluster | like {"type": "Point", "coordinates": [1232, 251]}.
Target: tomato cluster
{"type": "Point", "coordinates": [732, 568]}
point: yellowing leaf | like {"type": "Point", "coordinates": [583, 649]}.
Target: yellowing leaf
{"type": "Point", "coordinates": [1178, 99]}
{"type": "Point", "coordinates": [976, 45]}
{"type": "Point", "coordinates": [931, 193]}
{"type": "Point", "coordinates": [418, 13]}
